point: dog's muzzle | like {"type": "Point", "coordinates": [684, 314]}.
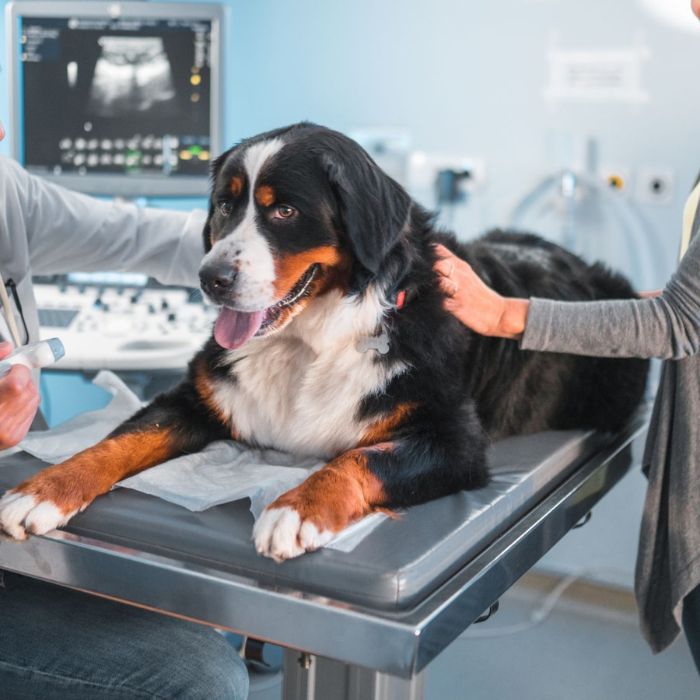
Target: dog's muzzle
{"type": "Point", "coordinates": [217, 280]}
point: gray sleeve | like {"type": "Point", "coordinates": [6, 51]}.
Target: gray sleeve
{"type": "Point", "coordinates": [667, 327]}
{"type": "Point", "coordinates": [68, 232]}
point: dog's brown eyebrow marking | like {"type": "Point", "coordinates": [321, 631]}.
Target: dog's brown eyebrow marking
{"type": "Point", "coordinates": [265, 195]}
{"type": "Point", "coordinates": [236, 186]}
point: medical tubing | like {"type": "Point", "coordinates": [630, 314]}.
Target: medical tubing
{"type": "Point", "coordinates": [9, 316]}
{"type": "Point", "coordinates": [635, 221]}
{"type": "Point", "coordinates": [527, 201]}
{"type": "Point", "coordinates": [627, 216]}
{"type": "Point", "coordinates": [550, 182]}
{"type": "Point", "coordinates": [539, 614]}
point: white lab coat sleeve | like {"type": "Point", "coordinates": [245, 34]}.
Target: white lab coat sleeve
{"type": "Point", "coordinates": [68, 232]}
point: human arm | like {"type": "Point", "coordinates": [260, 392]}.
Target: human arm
{"type": "Point", "coordinates": [474, 303]}
{"type": "Point", "coordinates": [67, 231]}
{"type": "Point", "coordinates": [19, 401]}
{"type": "Point", "coordinates": [664, 326]}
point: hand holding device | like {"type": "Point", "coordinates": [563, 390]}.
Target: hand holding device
{"type": "Point", "coordinates": [19, 397]}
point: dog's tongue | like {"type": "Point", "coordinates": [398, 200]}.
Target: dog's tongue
{"type": "Point", "coordinates": [233, 328]}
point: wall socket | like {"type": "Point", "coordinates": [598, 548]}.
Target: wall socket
{"type": "Point", "coordinates": [423, 169]}
{"type": "Point", "coordinates": [655, 185]}
{"type": "Point", "coordinates": [616, 179]}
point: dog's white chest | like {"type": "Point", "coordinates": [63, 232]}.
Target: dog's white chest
{"type": "Point", "coordinates": [289, 397]}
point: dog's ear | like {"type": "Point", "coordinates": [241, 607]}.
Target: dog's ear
{"type": "Point", "coordinates": [374, 208]}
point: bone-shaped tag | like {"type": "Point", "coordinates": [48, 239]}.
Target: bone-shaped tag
{"type": "Point", "coordinates": [380, 343]}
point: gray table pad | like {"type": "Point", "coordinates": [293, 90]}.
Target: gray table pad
{"type": "Point", "coordinates": [398, 564]}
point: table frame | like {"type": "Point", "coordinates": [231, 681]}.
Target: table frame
{"type": "Point", "coordinates": [381, 653]}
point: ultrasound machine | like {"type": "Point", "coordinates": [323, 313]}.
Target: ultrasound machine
{"type": "Point", "coordinates": [133, 96]}
{"type": "Point", "coordinates": [118, 100]}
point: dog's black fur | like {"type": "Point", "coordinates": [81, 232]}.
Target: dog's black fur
{"type": "Point", "coordinates": [469, 388]}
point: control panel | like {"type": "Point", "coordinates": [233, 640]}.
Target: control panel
{"type": "Point", "coordinates": [122, 322]}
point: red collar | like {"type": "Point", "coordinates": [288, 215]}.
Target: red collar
{"type": "Point", "coordinates": [400, 299]}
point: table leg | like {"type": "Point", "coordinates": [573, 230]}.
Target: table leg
{"type": "Point", "coordinates": [309, 677]}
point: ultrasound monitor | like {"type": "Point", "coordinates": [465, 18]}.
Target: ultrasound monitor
{"type": "Point", "coordinates": [116, 98]}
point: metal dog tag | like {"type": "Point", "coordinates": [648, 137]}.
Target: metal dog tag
{"type": "Point", "coordinates": [380, 343]}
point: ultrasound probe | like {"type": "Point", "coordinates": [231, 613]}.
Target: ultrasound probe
{"type": "Point", "coordinates": [34, 355]}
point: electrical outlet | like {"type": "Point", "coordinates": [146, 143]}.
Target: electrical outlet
{"type": "Point", "coordinates": [616, 179]}
{"type": "Point", "coordinates": [655, 185]}
{"type": "Point", "coordinates": [423, 169]}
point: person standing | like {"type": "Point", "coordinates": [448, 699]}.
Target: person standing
{"type": "Point", "coordinates": [666, 325]}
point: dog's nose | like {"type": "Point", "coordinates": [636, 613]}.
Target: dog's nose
{"type": "Point", "coordinates": [217, 278]}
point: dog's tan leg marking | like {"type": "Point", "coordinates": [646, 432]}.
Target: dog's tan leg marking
{"type": "Point", "coordinates": [382, 429]}
{"type": "Point", "coordinates": [50, 498]}
{"type": "Point", "coordinates": [308, 516]}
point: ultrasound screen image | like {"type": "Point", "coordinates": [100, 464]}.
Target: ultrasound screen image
{"type": "Point", "coordinates": [132, 76]}
{"type": "Point", "coordinates": [103, 96]}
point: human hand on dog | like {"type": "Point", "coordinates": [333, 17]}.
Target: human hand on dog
{"type": "Point", "coordinates": [19, 400]}
{"type": "Point", "coordinates": [474, 303]}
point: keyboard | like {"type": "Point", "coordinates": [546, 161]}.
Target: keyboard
{"type": "Point", "coordinates": [57, 318]}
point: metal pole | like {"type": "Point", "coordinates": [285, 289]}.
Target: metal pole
{"type": "Point", "coordinates": [310, 677]}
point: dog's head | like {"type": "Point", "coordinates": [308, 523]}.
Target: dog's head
{"type": "Point", "coordinates": [293, 213]}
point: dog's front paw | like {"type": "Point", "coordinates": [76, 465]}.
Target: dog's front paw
{"type": "Point", "coordinates": [40, 504]}
{"type": "Point", "coordinates": [310, 515]}
{"type": "Point", "coordinates": [23, 512]}
{"type": "Point", "coordinates": [281, 533]}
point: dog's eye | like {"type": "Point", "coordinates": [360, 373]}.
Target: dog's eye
{"type": "Point", "coordinates": [225, 208]}
{"type": "Point", "coordinates": [283, 211]}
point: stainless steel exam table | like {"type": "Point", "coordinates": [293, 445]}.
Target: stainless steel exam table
{"type": "Point", "coordinates": [359, 625]}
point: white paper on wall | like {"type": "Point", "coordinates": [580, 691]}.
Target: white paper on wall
{"type": "Point", "coordinates": [596, 75]}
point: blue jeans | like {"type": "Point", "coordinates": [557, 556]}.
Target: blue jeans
{"type": "Point", "coordinates": [57, 643]}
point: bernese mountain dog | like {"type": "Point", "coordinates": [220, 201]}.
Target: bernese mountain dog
{"type": "Point", "coordinates": [332, 341]}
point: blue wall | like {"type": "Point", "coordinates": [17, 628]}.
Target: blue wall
{"type": "Point", "coordinates": [468, 77]}
{"type": "Point", "coordinates": [463, 77]}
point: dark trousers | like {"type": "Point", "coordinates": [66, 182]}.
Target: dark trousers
{"type": "Point", "coordinates": [691, 623]}
{"type": "Point", "coordinates": [57, 644]}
